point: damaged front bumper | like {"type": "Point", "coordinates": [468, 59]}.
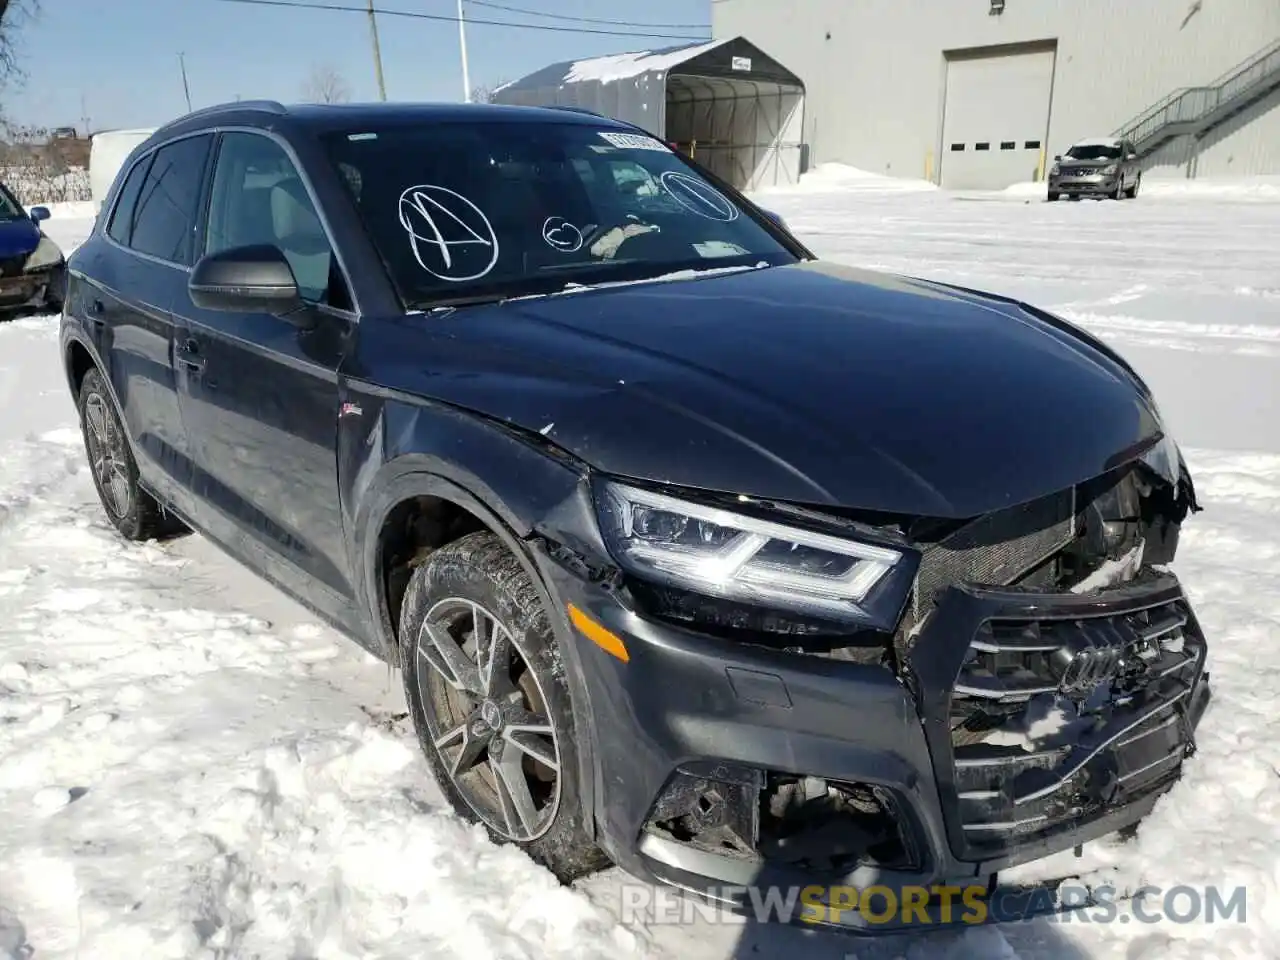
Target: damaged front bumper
{"type": "Point", "coordinates": [731, 769]}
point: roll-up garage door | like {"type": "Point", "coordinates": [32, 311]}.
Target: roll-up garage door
{"type": "Point", "coordinates": [995, 118]}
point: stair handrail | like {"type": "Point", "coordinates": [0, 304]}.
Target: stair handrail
{"type": "Point", "coordinates": [1130, 127]}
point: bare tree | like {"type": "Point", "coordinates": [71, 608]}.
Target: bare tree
{"type": "Point", "coordinates": [326, 85]}
{"type": "Point", "coordinates": [483, 94]}
{"type": "Point", "coordinates": [14, 15]}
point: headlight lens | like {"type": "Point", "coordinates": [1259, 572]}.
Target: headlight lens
{"type": "Point", "coordinates": [1109, 170]}
{"type": "Point", "coordinates": [1055, 170]}
{"type": "Point", "coordinates": [735, 557]}
{"type": "Point", "coordinates": [46, 254]}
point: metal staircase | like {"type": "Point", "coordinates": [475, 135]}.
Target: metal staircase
{"type": "Point", "coordinates": [1197, 110]}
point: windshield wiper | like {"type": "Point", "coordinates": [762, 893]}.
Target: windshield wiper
{"type": "Point", "coordinates": [463, 300]}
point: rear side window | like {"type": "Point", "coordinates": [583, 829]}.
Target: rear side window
{"type": "Point", "coordinates": [121, 228]}
{"type": "Point", "coordinates": [165, 215]}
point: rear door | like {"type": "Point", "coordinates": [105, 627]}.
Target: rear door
{"type": "Point", "coordinates": [259, 394]}
{"type": "Point", "coordinates": [131, 279]}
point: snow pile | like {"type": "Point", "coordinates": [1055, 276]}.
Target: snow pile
{"type": "Point", "coordinates": [624, 66]}
{"type": "Point", "coordinates": [842, 178]}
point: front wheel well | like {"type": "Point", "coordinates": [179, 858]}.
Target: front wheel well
{"type": "Point", "coordinates": [412, 531]}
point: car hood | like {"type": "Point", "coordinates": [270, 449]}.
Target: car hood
{"type": "Point", "coordinates": [1088, 164]}
{"type": "Point", "coordinates": [18, 237]}
{"type": "Point", "coordinates": [810, 383]}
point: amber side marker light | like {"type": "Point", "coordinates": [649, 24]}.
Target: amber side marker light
{"type": "Point", "coordinates": [606, 640]}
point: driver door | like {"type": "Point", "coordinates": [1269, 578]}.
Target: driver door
{"type": "Point", "coordinates": [259, 395]}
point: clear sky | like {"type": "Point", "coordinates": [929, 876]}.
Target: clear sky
{"type": "Point", "coordinates": [117, 62]}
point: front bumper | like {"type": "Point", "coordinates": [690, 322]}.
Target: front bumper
{"type": "Point", "coordinates": [1083, 185]}
{"type": "Point", "coordinates": [706, 722]}
{"type": "Point", "coordinates": [37, 288]}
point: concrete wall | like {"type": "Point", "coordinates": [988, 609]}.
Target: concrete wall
{"type": "Point", "coordinates": [874, 70]}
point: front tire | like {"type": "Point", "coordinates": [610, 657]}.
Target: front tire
{"type": "Point", "coordinates": [132, 511]}
{"type": "Point", "coordinates": [1053, 196]}
{"type": "Point", "coordinates": [484, 682]}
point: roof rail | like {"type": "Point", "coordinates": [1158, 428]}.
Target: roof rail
{"type": "Point", "coordinates": [590, 113]}
{"type": "Point", "coordinates": [264, 106]}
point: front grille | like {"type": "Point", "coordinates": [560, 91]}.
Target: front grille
{"type": "Point", "coordinates": [996, 549]}
{"type": "Point", "coordinates": [1054, 721]}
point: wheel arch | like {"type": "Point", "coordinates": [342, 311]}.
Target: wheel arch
{"type": "Point", "coordinates": [411, 490]}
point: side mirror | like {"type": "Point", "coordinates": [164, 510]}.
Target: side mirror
{"type": "Point", "coordinates": [1058, 157]}
{"type": "Point", "coordinates": [1132, 156]}
{"type": "Point", "coordinates": [254, 279]}
{"type": "Point", "coordinates": [40, 213]}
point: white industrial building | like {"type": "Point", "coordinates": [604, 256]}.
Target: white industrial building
{"type": "Point", "coordinates": [979, 94]}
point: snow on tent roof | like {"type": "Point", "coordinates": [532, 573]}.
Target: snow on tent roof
{"type": "Point", "coordinates": [623, 66]}
{"type": "Point", "coordinates": [609, 69]}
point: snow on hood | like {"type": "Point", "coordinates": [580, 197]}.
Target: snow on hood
{"type": "Point", "coordinates": [623, 66]}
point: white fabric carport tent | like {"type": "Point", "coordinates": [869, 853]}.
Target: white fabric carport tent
{"type": "Point", "coordinates": [726, 103]}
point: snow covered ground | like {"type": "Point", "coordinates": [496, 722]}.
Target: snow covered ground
{"type": "Point", "coordinates": [191, 767]}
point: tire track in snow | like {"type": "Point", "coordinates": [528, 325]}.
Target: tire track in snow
{"type": "Point", "coordinates": [1251, 339]}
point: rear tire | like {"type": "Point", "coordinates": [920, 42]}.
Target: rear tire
{"type": "Point", "coordinates": [134, 513]}
{"type": "Point", "coordinates": [1133, 191]}
{"type": "Point", "coordinates": [484, 682]}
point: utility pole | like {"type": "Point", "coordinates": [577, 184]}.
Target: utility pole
{"type": "Point", "coordinates": [462, 44]}
{"type": "Point", "coordinates": [186, 90]}
{"type": "Point", "coordinates": [377, 53]}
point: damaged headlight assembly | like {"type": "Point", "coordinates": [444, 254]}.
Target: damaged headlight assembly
{"type": "Point", "coordinates": [731, 556]}
{"type": "Point", "coordinates": [46, 254]}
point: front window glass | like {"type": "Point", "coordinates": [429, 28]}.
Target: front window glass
{"type": "Point", "coordinates": [259, 198]}
{"type": "Point", "coordinates": [476, 210]}
{"type": "Point", "coordinates": [1094, 151]}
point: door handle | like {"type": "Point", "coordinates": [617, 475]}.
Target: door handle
{"type": "Point", "coordinates": [97, 312]}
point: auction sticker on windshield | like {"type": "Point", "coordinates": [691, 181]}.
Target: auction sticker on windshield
{"type": "Point", "coordinates": [635, 141]}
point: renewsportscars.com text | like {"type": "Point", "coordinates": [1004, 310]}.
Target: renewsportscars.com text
{"type": "Point", "coordinates": [938, 905]}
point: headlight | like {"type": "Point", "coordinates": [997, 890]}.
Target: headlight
{"type": "Point", "coordinates": [735, 557]}
{"type": "Point", "coordinates": [46, 254]}
{"type": "Point", "coordinates": [1055, 170]}
{"type": "Point", "coordinates": [1109, 170]}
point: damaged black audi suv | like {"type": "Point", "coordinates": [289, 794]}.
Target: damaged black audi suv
{"type": "Point", "coordinates": [698, 554]}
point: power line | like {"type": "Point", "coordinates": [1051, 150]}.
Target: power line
{"type": "Point", "coordinates": [311, 5]}
{"type": "Point", "coordinates": [612, 23]}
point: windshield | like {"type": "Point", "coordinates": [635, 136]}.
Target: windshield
{"type": "Point", "coordinates": [462, 211]}
{"type": "Point", "coordinates": [9, 209]}
{"type": "Point", "coordinates": [1094, 151]}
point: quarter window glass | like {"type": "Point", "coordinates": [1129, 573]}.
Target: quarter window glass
{"type": "Point", "coordinates": [121, 229]}
{"type": "Point", "coordinates": [259, 198]}
{"type": "Point", "coordinates": [166, 212]}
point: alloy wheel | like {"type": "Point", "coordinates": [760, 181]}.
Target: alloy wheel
{"type": "Point", "coordinates": [108, 457]}
{"type": "Point", "coordinates": [488, 717]}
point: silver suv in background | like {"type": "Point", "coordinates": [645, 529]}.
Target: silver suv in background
{"type": "Point", "coordinates": [1105, 167]}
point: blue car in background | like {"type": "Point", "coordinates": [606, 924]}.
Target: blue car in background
{"type": "Point", "coordinates": [33, 270]}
